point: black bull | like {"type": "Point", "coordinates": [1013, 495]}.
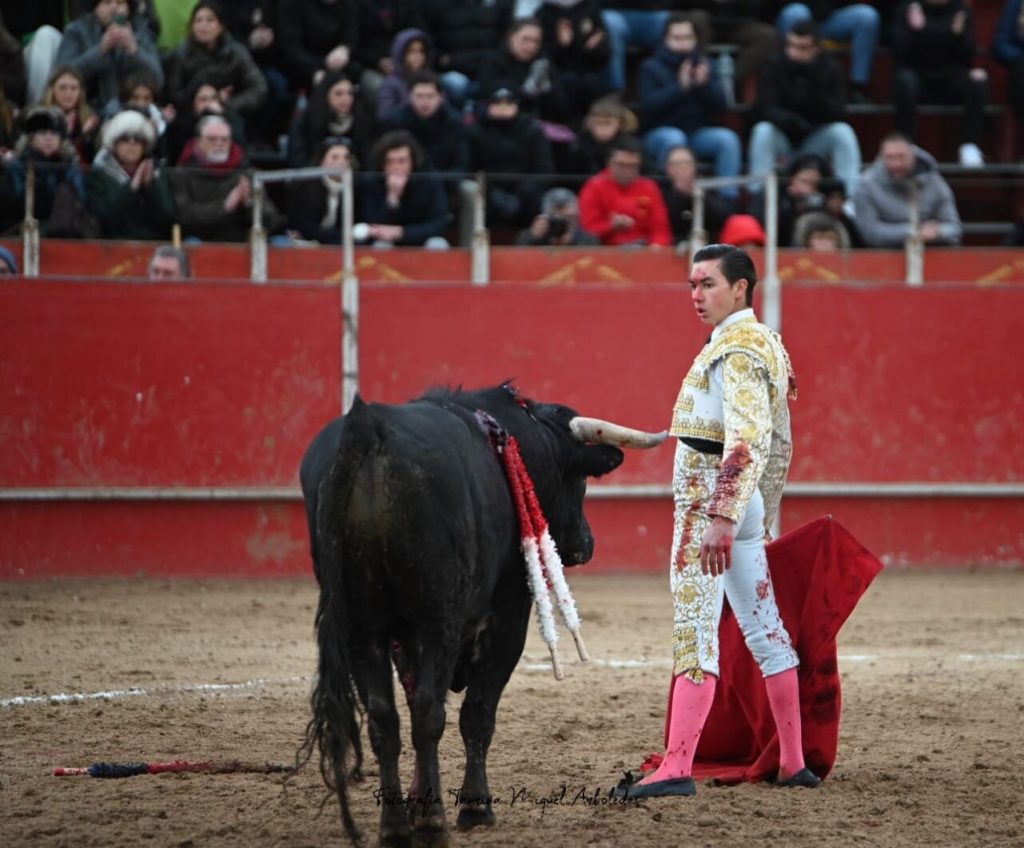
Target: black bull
{"type": "Point", "coordinates": [416, 546]}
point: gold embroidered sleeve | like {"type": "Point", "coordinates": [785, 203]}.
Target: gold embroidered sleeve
{"type": "Point", "coordinates": [748, 434]}
{"type": "Point", "coordinates": [775, 471]}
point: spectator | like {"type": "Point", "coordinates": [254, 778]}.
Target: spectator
{"type": "Point", "coordinates": [558, 224]}
{"type": "Point", "coordinates": [66, 91]}
{"type": "Point", "coordinates": [127, 192]}
{"type": "Point", "coordinates": [317, 37]}
{"type": "Point", "coordinates": [743, 231]}
{"type": "Point", "coordinates": [410, 54]}
{"type": "Point", "coordinates": [1008, 49]}
{"type": "Point", "coordinates": [512, 150]}
{"type": "Point", "coordinates": [210, 53]}
{"type": "Point", "coordinates": [8, 264]}
{"type": "Point", "coordinates": [680, 95]}
{"type": "Point", "coordinates": [37, 26]}
{"type": "Point", "coordinates": [106, 45]}
{"type": "Point", "coordinates": [140, 93]}
{"type": "Point", "coordinates": [801, 101]}
{"type": "Point", "coordinates": [12, 66]}
{"type": "Point", "coordinates": [800, 192]}
{"type": "Point", "coordinates": [402, 205]}
{"type": "Point", "coordinates": [378, 22]}
{"type": "Point", "coordinates": [857, 23]}
{"type": "Point", "coordinates": [622, 208]}
{"type": "Point", "coordinates": [464, 33]}
{"type": "Point", "coordinates": [886, 190]}
{"type": "Point", "coordinates": [577, 43]}
{"type": "Point", "coordinates": [254, 24]}
{"type": "Point", "coordinates": [333, 111]}
{"type": "Point", "coordinates": [58, 185]}
{"type": "Point", "coordinates": [315, 206]}
{"type": "Point", "coordinates": [631, 23]}
{"type": "Point", "coordinates": [820, 232]}
{"type": "Point", "coordinates": [606, 122]}
{"type": "Point", "coordinates": [519, 66]}
{"type": "Point", "coordinates": [212, 193]}
{"type": "Point", "coordinates": [435, 125]}
{"type": "Point", "coordinates": [169, 263]}
{"type": "Point", "coordinates": [204, 99]}
{"type": "Point", "coordinates": [933, 45]}
{"type": "Point", "coordinates": [681, 170]}
{"type": "Point", "coordinates": [739, 22]}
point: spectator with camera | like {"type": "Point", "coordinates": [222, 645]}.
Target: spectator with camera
{"type": "Point", "coordinates": [107, 44]}
{"type": "Point", "coordinates": [558, 224]}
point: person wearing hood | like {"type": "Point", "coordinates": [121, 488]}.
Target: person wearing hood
{"type": "Point", "coordinates": [44, 143]}
{"type": "Point", "coordinates": [107, 44]}
{"type": "Point", "coordinates": [411, 52]}
{"type": "Point", "coordinates": [377, 24]}
{"type": "Point", "coordinates": [511, 149]}
{"type": "Point", "coordinates": [800, 106]}
{"type": "Point", "coordinates": [884, 193]}
{"type": "Point", "coordinates": [128, 193]}
{"type": "Point", "coordinates": [212, 192]}
{"type": "Point", "coordinates": [680, 97]}
{"type": "Point", "coordinates": [209, 52]}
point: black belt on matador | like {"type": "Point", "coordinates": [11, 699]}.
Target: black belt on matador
{"type": "Point", "coordinates": [703, 445]}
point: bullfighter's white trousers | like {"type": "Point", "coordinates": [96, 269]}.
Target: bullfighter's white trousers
{"type": "Point", "coordinates": [697, 598]}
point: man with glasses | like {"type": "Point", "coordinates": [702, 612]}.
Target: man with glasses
{"type": "Point", "coordinates": [621, 207]}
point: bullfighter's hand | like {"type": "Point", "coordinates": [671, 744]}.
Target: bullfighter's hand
{"type": "Point", "coordinates": [716, 546]}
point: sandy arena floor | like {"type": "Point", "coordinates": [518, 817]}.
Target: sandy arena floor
{"type": "Point", "coordinates": [932, 749]}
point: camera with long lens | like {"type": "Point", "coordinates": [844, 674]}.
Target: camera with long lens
{"type": "Point", "coordinates": [558, 226]}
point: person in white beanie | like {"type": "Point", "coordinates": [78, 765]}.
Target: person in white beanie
{"type": "Point", "coordinates": [126, 190]}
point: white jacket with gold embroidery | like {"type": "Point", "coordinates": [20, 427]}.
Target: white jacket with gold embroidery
{"type": "Point", "coordinates": [735, 395]}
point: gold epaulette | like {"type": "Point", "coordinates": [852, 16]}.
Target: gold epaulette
{"type": "Point", "coordinates": [758, 341]}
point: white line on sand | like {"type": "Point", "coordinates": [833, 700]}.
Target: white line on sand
{"type": "Point", "coordinates": [218, 689]}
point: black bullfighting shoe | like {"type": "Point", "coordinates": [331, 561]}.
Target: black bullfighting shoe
{"type": "Point", "coordinates": [804, 778]}
{"type": "Point", "coordinates": [629, 789]}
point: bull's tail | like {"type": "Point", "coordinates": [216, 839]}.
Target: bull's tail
{"type": "Point", "coordinates": [337, 713]}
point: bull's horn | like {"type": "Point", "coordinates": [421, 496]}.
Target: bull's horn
{"type": "Point", "coordinates": [609, 433]}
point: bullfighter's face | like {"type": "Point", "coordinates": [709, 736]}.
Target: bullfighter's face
{"type": "Point", "coordinates": [713, 296]}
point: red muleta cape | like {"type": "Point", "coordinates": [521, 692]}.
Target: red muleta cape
{"type": "Point", "coordinates": [819, 572]}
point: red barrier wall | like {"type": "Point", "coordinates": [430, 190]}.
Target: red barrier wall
{"type": "Point", "coordinates": [220, 384]}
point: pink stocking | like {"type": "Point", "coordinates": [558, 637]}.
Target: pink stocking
{"type": "Point", "coordinates": [689, 707]}
{"type": "Point", "coordinates": [784, 698]}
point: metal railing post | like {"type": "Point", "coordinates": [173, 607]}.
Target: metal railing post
{"type": "Point", "coordinates": [30, 226]}
{"type": "Point", "coordinates": [257, 235]}
{"type": "Point", "coordinates": [481, 256]}
{"type": "Point", "coordinates": [698, 233]}
{"type": "Point", "coordinates": [772, 305]}
{"type": "Point", "coordinates": [349, 301]}
{"type": "Point", "coordinates": [914, 246]}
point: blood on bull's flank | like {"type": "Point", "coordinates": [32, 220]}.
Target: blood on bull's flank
{"type": "Point", "coordinates": [417, 538]}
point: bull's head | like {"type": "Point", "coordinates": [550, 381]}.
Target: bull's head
{"type": "Point", "coordinates": [593, 449]}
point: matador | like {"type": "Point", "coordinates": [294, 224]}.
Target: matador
{"type": "Point", "coordinates": [734, 447]}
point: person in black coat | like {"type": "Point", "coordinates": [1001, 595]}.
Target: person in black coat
{"type": "Point", "coordinates": [800, 107]}
{"type": "Point", "coordinates": [315, 206]}
{"type": "Point", "coordinates": [577, 43]}
{"type": "Point", "coordinates": [933, 44]}
{"type": "Point", "coordinates": [333, 111]}
{"type": "Point", "coordinates": [401, 204]}
{"type": "Point", "coordinates": [519, 66]}
{"type": "Point", "coordinates": [512, 150]}
{"type": "Point", "coordinates": [464, 33]}
{"type": "Point", "coordinates": [316, 36]}
{"type": "Point", "coordinates": [435, 125]}
{"type": "Point", "coordinates": [677, 191]}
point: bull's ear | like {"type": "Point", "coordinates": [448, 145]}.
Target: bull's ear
{"type": "Point", "coordinates": [599, 460]}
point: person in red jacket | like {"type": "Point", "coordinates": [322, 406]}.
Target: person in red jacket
{"type": "Point", "coordinates": [619, 206]}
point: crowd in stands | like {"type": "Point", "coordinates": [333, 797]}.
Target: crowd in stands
{"type": "Point", "coordinates": [590, 119]}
